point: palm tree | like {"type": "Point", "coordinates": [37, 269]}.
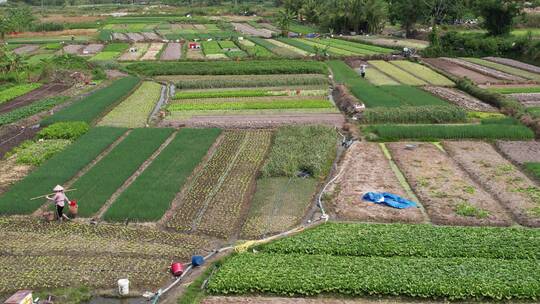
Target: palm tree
{"type": "Point", "coordinates": [284, 20]}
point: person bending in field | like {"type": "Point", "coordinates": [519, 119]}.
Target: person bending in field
{"type": "Point", "coordinates": [363, 70]}
{"type": "Point", "coordinates": [60, 199]}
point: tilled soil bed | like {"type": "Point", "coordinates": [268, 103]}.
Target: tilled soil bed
{"type": "Point", "coordinates": [448, 194]}
{"type": "Point", "coordinates": [92, 49]}
{"type": "Point", "coordinates": [485, 70]}
{"type": "Point", "coordinates": [35, 95]}
{"type": "Point", "coordinates": [527, 99]}
{"type": "Point", "coordinates": [510, 186]}
{"type": "Point", "coordinates": [136, 37]}
{"type": "Point", "coordinates": [515, 64]}
{"type": "Point", "coordinates": [12, 136]}
{"type": "Point", "coordinates": [73, 48]}
{"type": "Point", "coordinates": [26, 49]}
{"type": "Point", "coordinates": [460, 71]}
{"type": "Point", "coordinates": [258, 121]}
{"type": "Point", "coordinates": [520, 151]}
{"type": "Point", "coordinates": [460, 99]}
{"type": "Point", "coordinates": [173, 51]}
{"type": "Point", "coordinates": [366, 169]}
{"type": "Point", "coordinates": [11, 172]}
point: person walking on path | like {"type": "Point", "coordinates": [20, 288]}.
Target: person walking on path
{"type": "Point", "coordinates": [363, 70]}
{"type": "Point", "coordinates": [60, 200]}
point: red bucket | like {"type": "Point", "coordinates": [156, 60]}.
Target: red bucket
{"type": "Point", "coordinates": [177, 269]}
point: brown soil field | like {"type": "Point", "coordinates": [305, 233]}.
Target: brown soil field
{"type": "Point", "coordinates": [75, 32]}
{"type": "Point", "coordinates": [460, 99]}
{"type": "Point", "coordinates": [136, 37]}
{"type": "Point", "coordinates": [259, 121]}
{"type": "Point", "coordinates": [485, 70]}
{"type": "Point", "coordinates": [173, 51]}
{"type": "Point", "coordinates": [152, 51]}
{"type": "Point", "coordinates": [120, 36]}
{"type": "Point", "coordinates": [151, 36]}
{"type": "Point", "coordinates": [11, 172]}
{"type": "Point", "coordinates": [70, 19]}
{"type": "Point", "coordinates": [72, 48]}
{"type": "Point", "coordinates": [443, 186]}
{"type": "Point", "coordinates": [92, 49]}
{"type": "Point", "coordinates": [26, 49]}
{"type": "Point", "coordinates": [194, 54]}
{"type": "Point", "coordinates": [460, 71]}
{"type": "Point", "coordinates": [367, 169]}
{"type": "Point", "coordinates": [527, 99]}
{"type": "Point", "coordinates": [12, 136]}
{"type": "Point", "coordinates": [35, 95]}
{"type": "Point", "coordinates": [280, 300]}
{"type": "Point", "coordinates": [247, 29]}
{"type": "Point", "coordinates": [515, 63]}
{"type": "Point", "coordinates": [520, 151]}
{"type": "Point", "coordinates": [514, 189]}
{"type": "Point", "coordinates": [127, 55]}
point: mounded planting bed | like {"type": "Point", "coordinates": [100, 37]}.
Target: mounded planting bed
{"type": "Point", "coordinates": [58, 170]}
{"type": "Point", "coordinates": [448, 194]}
{"type": "Point", "coordinates": [397, 73]}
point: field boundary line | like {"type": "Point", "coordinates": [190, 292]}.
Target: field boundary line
{"type": "Point", "coordinates": [219, 184]}
{"type": "Point", "coordinates": [87, 168]}
{"type": "Point", "coordinates": [132, 178]}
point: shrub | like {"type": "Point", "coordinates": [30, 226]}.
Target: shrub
{"type": "Point", "coordinates": [64, 130]}
{"type": "Point", "coordinates": [407, 114]}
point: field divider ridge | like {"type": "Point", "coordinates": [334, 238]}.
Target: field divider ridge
{"type": "Point", "coordinates": [132, 178]}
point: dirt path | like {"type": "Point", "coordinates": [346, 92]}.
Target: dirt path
{"type": "Point", "coordinates": [259, 121]}
{"type": "Point", "coordinates": [460, 71]}
{"type": "Point", "coordinates": [449, 195]}
{"type": "Point", "coordinates": [367, 169]}
{"type": "Point", "coordinates": [35, 95]}
{"type": "Point", "coordinates": [511, 187]}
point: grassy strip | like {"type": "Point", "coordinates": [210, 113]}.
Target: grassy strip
{"type": "Point", "coordinates": [258, 67]}
{"type": "Point", "coordinates": [436, 132]}
{"type": "Point", "coordinates": [372, 96]}
{"type": "Point", "coordinates": [251, 81]}
{"type": "Point", "coordinates": [16, 91]}
{"type": "Point", "coordinates": [505, 68]}
{"type": "Point", "coordinates": [369, 47]}
{"type": "Point", "coordinates": [425, 114]}
{"type": "Point", "coordinates": [231, 93]}
{"type": "Point", "coordinates": [452, 278]}
{"type": "Point", "coordinates": [165, 177]}
{"type": "Point", "coordinates": [397, 73]}
{"type": "Point", "coordinates": [310, 149]}
{"type": "Point", "coordinates": [57, 170]}
{"type": "Point", "coordinates": [514, 90]}
{"type": "Point", "coordinates": [134, 111]}
{"type": "Point", "coordinates": [251, 105]}
{"type": "Point", "coordinates": [412, 241]}
{"type": "Point", "coordinates": [90, 108]}
{"type": "Point", "coordinates": [414, 97]}
{"type": "Point", "coordinates": [534, 169]}
{"type": "Point", "coordinates": [352, 47]}
{"type": "Point", "coordinates": [423, 73]}
{"type": "Point", "coordinates": [31, 109]}
{"type": "Point", "coordinates": [98, 184]}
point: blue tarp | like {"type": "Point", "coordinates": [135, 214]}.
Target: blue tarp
{"type": "Point", "coordinates": [388, 199]}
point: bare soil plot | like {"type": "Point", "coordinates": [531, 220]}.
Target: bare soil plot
{"type": "Point", "coordinates": [70, 19]}
{"type": "Point", "coordinates": [73, 32]}
{"type": "Point", "coordinates": [194, 54]}
{"type": "Point", "coordinates": [200, 27]}
{"type": "Point", "coordinates": [73, 48]}
{"type": "Point", "coordinates": [485, 70]}
{"type": "Point", "coordinates": [527, 99]}
{"type": "Point", "coordinates": [173, 51]}
{"type": "Point", "coordinates": [136, 37]}
{"type": "Point", "coordinates": [12, 136]}
{"type": "Point", "coordinates": [150, 36]}
{"type": "Point", "coordinates": [260, 121]}
{"type": "Point", "coordinates": [514, 189]}
{"type": "Point", "coordinates": [460, 71]}
{"type": "Point", "coordinates": [520, 151]}
{"type": "Point", "coordinates": [11, 172]}
{"type": "Point", "coordinates": [460, 99]}
{"type": "Point", "coordinates": [366, 169]}
{"type": "Point", "coordinates": [120, 36]}
{"type": "Point", "coordinates": [247, 29]}
{"type": "Point", "coordinates": [92, 49]}
{"type": "Point", "coordinates": [26, 49]}
{"type": "Point", "coordinates": [515, 64]}
{"type": "Point", "coordinates": [321, 300]}
{"type": "Point", "coordinates": [448, 194]}
{"type": "Point", "coordinates": [141, 49]}
{"type": "Point", "coordinates": [32, 96]}
{"type": "Point", "coordinates": [153, 51]}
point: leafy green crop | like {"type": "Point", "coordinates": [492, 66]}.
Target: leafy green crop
{"type": "Point", "coordinates": [31, 109]}
{"type": "Point", "coordinates": [16, 91]}
{"type": "Point", "coordinates": [251, 105]}
{"type": "Point", "coordinates": [247, 81]}
{"type": "Point", "coordinates": [35, 153]}
{"type": "Point", "coordinates": [231, 93]}
{"type": "Point", "coordinates": [425, 114]}
{"type": "Point", "coordinates": [58, 170]}
{"type": "Point", "coordinates": [160, 182]}
{"type": "Point", "coordinates": [64, 130]}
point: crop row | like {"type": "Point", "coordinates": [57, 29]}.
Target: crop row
{"type": "Point", "coordinates": [98, 184]}
{"type": "Point", "coordinates": [135, 110]}
{"type": "Point", "coordinates": [505, 68]}
{"type": "Point", "coordinates": [412, 241]}
{"type": "Point", "coordinates": [165, 176]}
{"type": "Point", "coordinates": [261, 67]}
{"type": "Point", "coordinates": [422, 72]}
{"type": "Point", "coordinates": [344, 45]}
{"type": "Point", "coordinates": [229, 93]}
{"type": "Point", "coordinates": [206, 82]}
{"type": "Point", "coordinates": [397, 73]}
{"type": "Point", "coordinates": [254, 50]}
{"type": "Point", "coordinates": [91, 107]}
{"type": "Point", "coordinates": [31, 109]}
{"type": "Point", "coordinates": [252, 105]}
{"type": "Point", "coordinates": [59, 169]}
{"type": "Point", "coordinates": [16, 91]}
{"type": "Point", "coordinates": [278, 50]}
{"type": "Point", "coordinates": [308, 275]}
{"type": "Point", "coordinates": [407, 114]}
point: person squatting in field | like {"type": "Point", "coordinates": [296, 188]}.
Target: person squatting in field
{"type": "Point", "coordinates": [60, 200]}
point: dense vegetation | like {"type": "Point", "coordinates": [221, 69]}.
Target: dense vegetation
{"type": "Point", "coordinates": [425, 114]}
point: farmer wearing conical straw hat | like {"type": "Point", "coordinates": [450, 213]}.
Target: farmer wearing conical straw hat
{"type": "Point", "coordinates": [60, 200]}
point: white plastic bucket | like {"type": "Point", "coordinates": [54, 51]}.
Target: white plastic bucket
{"type": "Point", "coordinates": [123, 287]}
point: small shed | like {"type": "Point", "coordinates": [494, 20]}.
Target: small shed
{"type": "Point", "coordinates": [194, 45]}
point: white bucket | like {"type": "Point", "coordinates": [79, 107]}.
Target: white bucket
{"type": "Point", "coordinates": [123, 287]}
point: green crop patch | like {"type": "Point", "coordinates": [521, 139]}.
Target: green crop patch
{"type": "Point", "coordinates": [246, 81]}
{"type": "Point", "coordinates": [408, 114]}
{"type": "Point", "coordinates": [310, 275]}
{"type": "Point", "coordinates": [229, 68]}
{"type": "Point", "coordinates": [390, 240]}
{"type": "Point", "coordinates": [150, 195]}
{"type": "Point", "coordinates": [57, 170]}
{"type": "Point", "coordinates": [31, 109]}
{"type": "Point", "coordinates": [534, 169]}
{"type": "Point", "coordinates": [91, 107]}
{"type": "Point", "coordinates": [397, 73]}
{"type": "Point", "coordinates": [423, 73]}
{"type": "Point", "coordinates": [413, 96]}
{"type": "Point", "coordinates": [230, 93]}
{"type": "Point", "coordinates": [98, 184]}
{"type": "Point", "coordinates": [16, 91]}
{"type": "Point", "coordinates": [251, 105]}
{"type": "Point", "coordinates": [514, 90]}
